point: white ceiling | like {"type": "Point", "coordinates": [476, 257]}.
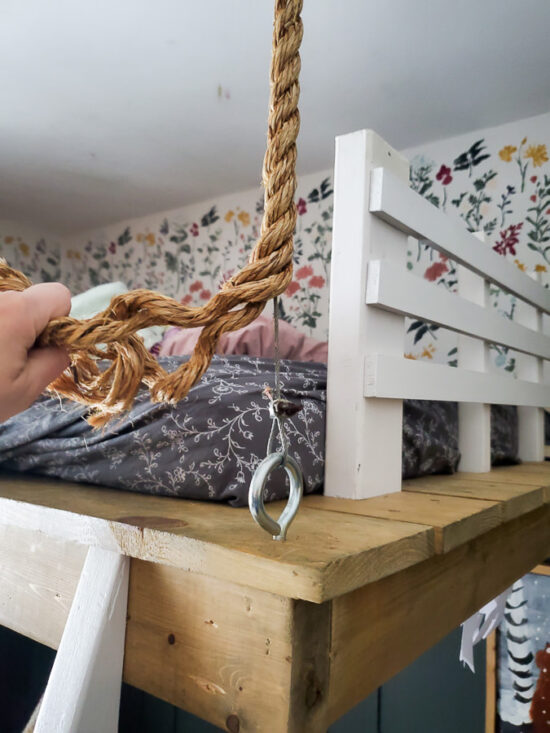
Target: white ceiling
{"type": "Point", "coordinates": [111, 108]}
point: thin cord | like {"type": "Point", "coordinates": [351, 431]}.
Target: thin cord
{"type": "Point", "coordinates": [277, 348]}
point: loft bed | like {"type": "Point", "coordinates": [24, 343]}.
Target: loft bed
{"type": "Point", "coordinates": [193, 603]}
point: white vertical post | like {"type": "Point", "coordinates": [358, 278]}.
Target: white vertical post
{"type": "Point", "coordinates": [474, 419]}
{"type": "Point", "coordinates": [364, 435]}
{"type": "Point", "coordinates": [530, 419]}
{"type": "Point", "coordinates": [83, 692]}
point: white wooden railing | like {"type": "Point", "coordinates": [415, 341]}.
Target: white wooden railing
{"type": "Point", "coordinates": [375, 212]}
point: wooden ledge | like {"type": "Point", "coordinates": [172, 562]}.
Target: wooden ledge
{"type": "Point", "coordinates": [326, 555]}
{"type": "Point", "coordinates": [458, 507]}
{"type": "Point", "coordinates": [205, 642]}
{"type": "Point", "coordinates": [334, 546]}
{"type": "Point", "coordinates": [454, 520]}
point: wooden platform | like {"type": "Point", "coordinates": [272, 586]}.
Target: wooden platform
{"type": "Point", "coordinates": [256, 635]}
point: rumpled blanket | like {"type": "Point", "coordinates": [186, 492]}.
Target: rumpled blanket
{"type": "Point", "coordinates": [208, 446]}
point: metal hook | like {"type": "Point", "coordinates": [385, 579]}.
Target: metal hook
{"type": "Point", "coordinates": [277, 529]}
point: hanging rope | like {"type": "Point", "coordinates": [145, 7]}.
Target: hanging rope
{"type": "Point", "coordinates": [239, 301]}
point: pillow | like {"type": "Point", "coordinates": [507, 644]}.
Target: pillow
{"type": "Point", "coordinates": [256, 339]}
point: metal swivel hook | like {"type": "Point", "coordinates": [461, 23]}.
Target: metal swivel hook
{"type": "Point", "coordinates": [279, 410]}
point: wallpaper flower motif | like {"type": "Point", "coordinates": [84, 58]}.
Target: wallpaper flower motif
{"type": "Point", "coordinates": [497, 183]}
{"type": "Point", "coordinates": [189, 255]}
{"type": "Point", "coordinates": [508, 203]}
{"type": "Point", "coordinates": [30, 253]}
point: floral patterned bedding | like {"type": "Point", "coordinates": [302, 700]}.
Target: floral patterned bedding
{"type": "Point", "coordinates": [208, 446]}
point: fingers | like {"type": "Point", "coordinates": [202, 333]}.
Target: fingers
{"type": "Point", "coordinates": [43, 366]}
{"type": "Point", "coordinates": [45, 302]}
{"type": "Point", "coordinates": [26, 370]}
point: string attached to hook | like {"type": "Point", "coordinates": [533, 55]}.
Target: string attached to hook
{"type": "Point", "coordinates": [280, 410]}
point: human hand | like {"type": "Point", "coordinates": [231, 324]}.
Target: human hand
{"type": "Point", "coordinates": [27, 369]}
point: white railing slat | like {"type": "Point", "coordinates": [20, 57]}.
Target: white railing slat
{"type": "Point", "coordinates": [394, 202]}
{"type": "Point", "coordinates": [474, 418]}
{"type": "Point", "coordinates": [530, 419]}
{"type": "Point", "coordinates": [399, 378]}
{"type": "Point", "coordinates": [393, 288]}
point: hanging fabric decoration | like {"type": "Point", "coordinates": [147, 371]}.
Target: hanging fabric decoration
{"type": "Point", "coordinates": [112, 335]}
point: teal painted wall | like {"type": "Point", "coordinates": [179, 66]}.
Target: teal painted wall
{"type": "Point", "coordinates": [435, 694]}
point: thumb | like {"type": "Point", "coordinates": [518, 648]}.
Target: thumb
{"type": "Point", "coordinates": [44, 364]}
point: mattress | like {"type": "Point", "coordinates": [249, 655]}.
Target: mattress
{"type": "Point", "coordinates": [208, 446]}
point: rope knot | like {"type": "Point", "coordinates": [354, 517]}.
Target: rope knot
{"type": "Point", "coordinates": [112, 334]}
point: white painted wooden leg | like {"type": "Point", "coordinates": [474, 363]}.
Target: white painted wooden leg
{"type": "Point", "coordinates": [83, 692]}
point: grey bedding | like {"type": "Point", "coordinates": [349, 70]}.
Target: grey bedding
{"type": "Point", "coordinates": [208, 446]}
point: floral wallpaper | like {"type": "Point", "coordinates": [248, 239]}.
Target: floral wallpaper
{"type": "Point", "coordinates": [189, 252]}
{"type": "Point", "coordinates": [36, 254]}
{"type": "Point", "coordinates": [496, 181]}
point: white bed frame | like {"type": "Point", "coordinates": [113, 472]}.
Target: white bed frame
{"type": "Point", "coordinates": [375, 212]}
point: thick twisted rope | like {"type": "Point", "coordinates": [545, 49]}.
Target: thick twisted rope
{"type": "Point", "coordinates": [239, 301]}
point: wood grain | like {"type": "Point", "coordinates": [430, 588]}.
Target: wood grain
{"type": "Point", "coordinates": [219, 650]}
{"type": "Point", "coordinates": [325, 555]}
{"type": "Point", "coordinates": [214, 647]}
{"type": "Point", "coordinates": [530, 474]}
{"type": "Point", "coordinates": [309, 685]}
{"type": "Point", "coordinates": [38, 579]}
{"type": "Point", "coordinates": [454, 520]}
{"type": "Point", "coordinates": [381, 628]}
{"type": "Point", "coordinates": [230, 655]}
{"type": "Point", "coordinates": [516, 498]}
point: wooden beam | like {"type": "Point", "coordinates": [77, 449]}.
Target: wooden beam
{"type": "Point", "coordinates": [83, 691]}
{"type": "Point", "coordinates": [516, 499]}
{"type": "Point", "coordinates": [324, 556]}
{"type": "Point", "coordinates": [38, 580]}
{"type": "Point", "coordinates": [209, 646]}
{"type": "Point", "coordinates": [310, 678]}
{"type": "Point", "coordinates": [381, 628]}
{"type": "Point", "coordinates": [206, 645]}
{"type": "Point", "coordinates": [213, 647]}
{"type": "Point", "coordinates": [455, 520]}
